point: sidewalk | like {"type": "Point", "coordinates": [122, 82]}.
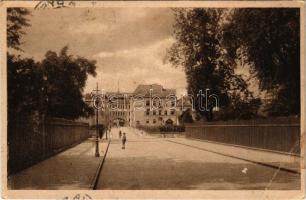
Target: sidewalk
{"type": "Point", "coordinates": [276, 160]}
{"type": "Point", "coordinates": [72, 169]}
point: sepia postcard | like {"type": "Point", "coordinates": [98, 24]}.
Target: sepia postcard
{"type": "Point", "coordinates": [152, 99]}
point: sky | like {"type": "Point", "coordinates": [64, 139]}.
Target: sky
{"type": "Point", "coordinates": [129, 44]}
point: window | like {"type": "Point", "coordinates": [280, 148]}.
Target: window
{"type": "Point", "coordinates": [169, 121]}
{"type": "Point", "coordinates": [148, 112]}
{"type": "Point", "coordinates": [154, 103]}
{"type": "Point", "coordinates": [172, 112]}
{"type": "Point", "coordinates": [159, 112]}
{"type": "Point", "coordinates": [148, 121]}
{"type": "Point", "coordinates": [172, 103]}
{"type": "Point", "coordinates": [154, 121]}
{"type": "Point", "coordinates": [154, 112]}
{"type": "Point", "coordinates": [165, 112]}
{"type": "Point", "coordinates": [147, 102]}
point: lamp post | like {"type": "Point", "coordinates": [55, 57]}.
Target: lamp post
{"type": "Point", "coordinates": [97, 154]}
{"type": "Point", "coordinates": [97, 103]}
{"type": "Point", "coordinates": [106, 120]}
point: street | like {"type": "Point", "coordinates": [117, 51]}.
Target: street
{"type": "Point", "coordinates": [152, 163]}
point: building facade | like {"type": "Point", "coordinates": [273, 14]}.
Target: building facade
{"type": "Point", "coordinates": [153, 105]}
{"type": "Point", "coordinates": [119, 108]}
{"type": "Point", "coordinates": [149, 105]}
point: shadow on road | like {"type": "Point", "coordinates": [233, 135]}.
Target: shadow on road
{"type": "Point", "coordinates": [150, 173]}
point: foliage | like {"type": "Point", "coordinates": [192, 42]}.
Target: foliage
{"type": "Point", "coordinates": [24, 85]}
{"type": "Point", "coordinates": [16, 20]}
{"type": "Point", "coordinates": [64, 80]}
{"type": "Point", "coordinates": [186, 117]}
{"type": "Point", "coordinates": [198, 48]}
{"type": "Point", "coordinates": [149, 129]}
{"type": "Point", "coordinates": [52, 87]}
{"type": "Point", "coordinates": [241, 109]}
{"type": "Point", "coordinates": [269, 41]}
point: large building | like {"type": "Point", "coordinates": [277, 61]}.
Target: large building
{"type": "Point", "coordinates": [153, 105]}
{"type": "Point", "coordinates": [119, 108]}
{"type": "Point", "coordinates": [115, 110]}
{"type": "Point", "coordinates": [148, 105]}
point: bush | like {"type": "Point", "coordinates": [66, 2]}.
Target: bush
{"type": "Point", "coordinates": [150, 129]}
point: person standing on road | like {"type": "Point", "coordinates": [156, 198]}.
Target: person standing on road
{"type": "Point", "coordinates": [120, 133]}
{"type": "Point", "coordinates": [100, 132]}
{"type": "Point", "coordinates": [123, 140]}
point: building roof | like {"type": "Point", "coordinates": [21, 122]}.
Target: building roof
{"type": "Point", "coordinates": [118, 94]}
{"type": "Point", "coordinates": [157, 90]}
{"type": "Point", "coordinates": [114, 95]}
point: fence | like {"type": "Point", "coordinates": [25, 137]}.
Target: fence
{"type": "Point", "coordinates": [162, 129]}
{"type": "Point", "coordinates": [28, 144]}
{"type": "Point", "coordinates": [149, 129]}
{"type": "Point", "coordinates": [283, 137]}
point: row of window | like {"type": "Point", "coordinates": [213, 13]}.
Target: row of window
{"type": "Point", "coordinates": [172, 112]}
{"type": "Point", "coordinates": [118, 113]}
{"type": "Point", "coordinates": [127, 106]}
{"type": "Point", "coordinates": [148, 121]}
{"type": "Point", "coordinates": [147, 112]}
{"type": "Point", "coordinates": [120, 106]}
{"type": "Point", "coordinates": [158, 103]}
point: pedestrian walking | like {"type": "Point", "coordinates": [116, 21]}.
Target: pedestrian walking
{"type": "Point", "coordinates": [120, 134]}
{"type": "Point", "coordinates": [100, 132]}
{"type": "Point", "coordinates": [123, 140]}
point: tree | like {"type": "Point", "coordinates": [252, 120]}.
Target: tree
{"type": "Point", "coordinates": [52, 87]}
{"type": "Point", "coordinates": [16, 20]}
{"type": "Point", "coordinates": [186, 117]}
{"type": "Point", "coordinates": [269, 41]}
{"type": "Point", "coordinates": [24, 86]}
{"type": "Point", "coordinates": [64, 81]}
{"type": "Point", "coordinates": [23, 76]}
{"type": "Point", "coordinates": [198, 48]}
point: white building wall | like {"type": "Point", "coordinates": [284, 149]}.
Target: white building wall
{"type": "Point", "coordinates": [139, 116]}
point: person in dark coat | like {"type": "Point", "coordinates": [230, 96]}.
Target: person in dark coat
{"type": "Point", "coordinates": [123, 140]}
{"type": "Point", "coordinates": [100, 132]}
{"type": "Point", "coordinates": [120, 134]}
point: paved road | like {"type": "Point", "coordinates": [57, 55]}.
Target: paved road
{"type": "Point", "coordinates": [155, 163]}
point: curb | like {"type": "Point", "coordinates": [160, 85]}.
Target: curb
{"type": "Point", "coordinates": [244, 159]}
{"type": "Point", "coordinates": [246, 147]}
{"type": "Point", "coordinates": [94, 182]}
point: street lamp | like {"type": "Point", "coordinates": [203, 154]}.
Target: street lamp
{"type": "Point", "coordinates": [97, 103]}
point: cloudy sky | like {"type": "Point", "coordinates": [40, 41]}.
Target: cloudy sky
{"type": "Point", "coordinates": [129, 44]}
